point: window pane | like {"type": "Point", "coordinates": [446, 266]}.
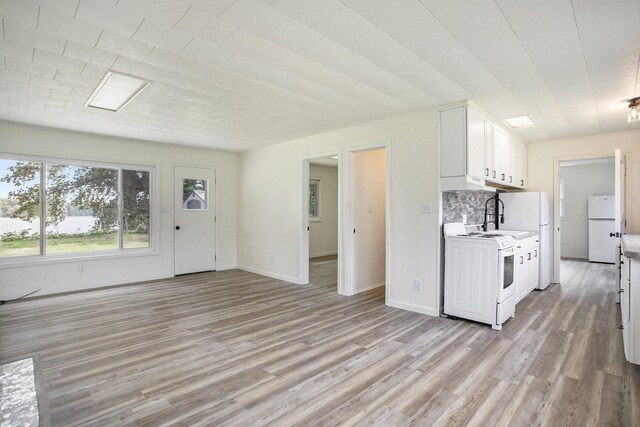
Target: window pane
{"type": "Point", "coordinates": [194, 194]}
{"type": "Point", "coordinates": [314, 198]}
{"type": "Point", "coordinates": [136, 208]}
{"type": "Point", "coordinates": [19, 208]}
{"type": "Point", "coordinates": [82, 209]}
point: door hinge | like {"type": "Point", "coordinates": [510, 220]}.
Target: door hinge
{"type": "Point", "coordinates": [215, 219]}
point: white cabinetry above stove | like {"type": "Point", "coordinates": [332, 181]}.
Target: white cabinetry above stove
{"type": "Point", "coordinates": [475, 152]}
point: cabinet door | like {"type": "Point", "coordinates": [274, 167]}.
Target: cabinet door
{"type": "Point", "coordinates": [497, 154]}
{"type": "Point", "coordinates": [489, 147]}
{"type": "Point", "coordinates": [524, 165]}
{"type": "Point", "coordinates": [534, 273]}
{"type": "Point", "coordinates": [516, 155]}
{"type": "Point", "coordinates": [505, 158]}
{"type": "Point", "coordinates": [475, 144]}
{"type": "Point", "coordinates": [625, 306]}
{"type": "Point", "coordinates": [521, 274]}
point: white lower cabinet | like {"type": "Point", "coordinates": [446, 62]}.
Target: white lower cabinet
{"type": "Point", "coordinates": [630, 307]}
{"type": "Point", "coordinates": [527, 273]}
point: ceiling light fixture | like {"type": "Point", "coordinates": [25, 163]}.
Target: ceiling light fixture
{"type": "Point", "coordinates": [633, 116]}
{"type": "Point", "coordinates": [115, 91]}
{"type": "Point", "coordinates": [520, 122]}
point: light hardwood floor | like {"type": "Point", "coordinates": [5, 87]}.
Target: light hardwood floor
{"type": "Point", "coordinates": [235, 348]}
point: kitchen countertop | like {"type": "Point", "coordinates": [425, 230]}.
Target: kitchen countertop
{"type": "Point", "coordinates": [631, 245]}
{"type": "Point", "coordinates": [524, 236]}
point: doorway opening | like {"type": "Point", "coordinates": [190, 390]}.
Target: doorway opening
{"type": "Point", "coordinates": [589, 209]}
{"type": "Point", "coordinates": [323, 200]}
{"type": "Point", "coordinates": [368, 211]}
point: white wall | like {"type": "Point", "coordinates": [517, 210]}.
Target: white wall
{"type": "Point", "coordinates": [369, 218]}
{"type": "Point", "coordinates": [323, 232]}
{"type": "Point", "coordinates": [270, 223]}
{"type": "Point", "coordinates": [59, 275]}
{"type": "Point", "coordinates": [580, 182]}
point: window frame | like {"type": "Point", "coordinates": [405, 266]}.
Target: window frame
{"type": "Point", "coordinates": [120, 252]}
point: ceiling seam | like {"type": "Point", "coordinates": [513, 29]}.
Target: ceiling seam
{"type": "Point", "coordinates": [584, 59]}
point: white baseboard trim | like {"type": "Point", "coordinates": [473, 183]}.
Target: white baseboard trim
{"type": "Point", "coordinates": [289, 279]}
{"type": "Point", "coordinates": [368, 288]}
{"type": "Point", "coordinates": [413, 307]}
{"type": "Point", "coordinates": [320, 254]}
{"type": "Point", "coordinates": [227, 267]}
{"type": "Point", "coordinates": [91, 287]}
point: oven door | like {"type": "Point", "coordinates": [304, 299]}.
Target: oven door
{"type": "Point", "coordinates": [506, 274]}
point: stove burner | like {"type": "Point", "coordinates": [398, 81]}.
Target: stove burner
{"type": "Point", "coordinates": [490, 236]}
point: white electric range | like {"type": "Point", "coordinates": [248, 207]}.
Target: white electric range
{"type": "Point", "coordinates": [479, 276]}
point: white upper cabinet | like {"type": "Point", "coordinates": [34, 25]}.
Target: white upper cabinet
{"type": "Point", "coordinates": [475, 151]}
{"type": "Point", "coordinates": [475, 144]}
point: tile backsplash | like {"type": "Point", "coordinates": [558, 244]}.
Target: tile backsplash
{"type": "Point", "coordinates": [471, 203]}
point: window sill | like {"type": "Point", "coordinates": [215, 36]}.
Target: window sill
{"type": "Point", "coordinates": [70, 258]}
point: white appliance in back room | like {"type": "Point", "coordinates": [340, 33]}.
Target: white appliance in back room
{"type": "Point", "coordinates": [602, 210]}
{"type": "Point", "coordinates": [531, 211]}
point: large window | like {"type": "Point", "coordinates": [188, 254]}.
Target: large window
{"type": "Point", "coordinates": [88, 208]}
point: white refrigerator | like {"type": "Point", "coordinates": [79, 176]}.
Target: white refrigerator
{"type": "Point", "coordinates": [531, 211]}
{"type": "Point", "coordinates": [602, 211]}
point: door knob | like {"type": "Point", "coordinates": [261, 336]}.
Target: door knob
{"type": "Point", "coordinates": [177, 227]}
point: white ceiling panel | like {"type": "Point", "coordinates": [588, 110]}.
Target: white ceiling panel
{"type": "Point", "coordinates": [52, 22]}
{"type": "Point", "coordinates": [22, 12]}
{"type": "Point", "coordinates": [238, 74]}
{"type": "Point", "coordinates": [106, 15]}
{"type": "Point", "coordinates": [165, 13]}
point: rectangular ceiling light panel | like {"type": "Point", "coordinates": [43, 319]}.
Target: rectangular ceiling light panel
{"type": "Point", "coordinates": [115, 91]}
{"type": "Point", "coordinates": [520, 122]}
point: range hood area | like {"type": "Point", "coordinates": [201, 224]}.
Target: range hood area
{"type": "Point", "coordinates": [476, 154]}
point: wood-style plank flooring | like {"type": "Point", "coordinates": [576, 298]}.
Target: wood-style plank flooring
{"type": "Point", "coordinates": [234, 348]}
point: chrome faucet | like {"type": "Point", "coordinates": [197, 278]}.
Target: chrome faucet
{"type": "Point", "coordinates": [497, 216]}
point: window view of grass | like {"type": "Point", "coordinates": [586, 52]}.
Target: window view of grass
{"type": "Point", "coordinates": [81, 208]}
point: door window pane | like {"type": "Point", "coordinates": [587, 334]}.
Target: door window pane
{"type": "Point", "coordinates": [136, 208]}
{"type": "Point", "coordinates": [19, 208]}
{"type": "Point", "coordinates": [314, 198]}
{"type": "Point", "coordinates": [82, 209]}
{"type": "Point", "coordinates": [194, 194]}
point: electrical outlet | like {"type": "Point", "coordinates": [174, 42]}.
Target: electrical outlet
{"type": "Point", "coordinates": [81, 268]}
{"type": "Point", "coordinates": [417, 285]}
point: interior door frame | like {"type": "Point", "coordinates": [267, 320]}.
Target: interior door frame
{"type": "Point", "coordinates": [347, 240]}
{"type": "Point", "coordinates": [215, 213]}
{"type": "Point", "coordinates": [557, 234]}
{"type": "Point", "coordinates": [304, 236]}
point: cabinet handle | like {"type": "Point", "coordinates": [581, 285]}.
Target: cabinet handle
{"type": "Point", "coordinates": [536, 252]}
{"type": "Point", "coordinates": [521, 260]}
{"type": "Point", "coordinates": [522, 182]}
{"type": "Point", "coordinates": [510, 179]}
{"type": "Point", "coordinates": [503, 177]}
{"type": "Point", "coordinates": [528, 256]}
{"type": "Point", "coordinates": [486, 171]}
{"type": "Point", "coordinates": [494, 174]}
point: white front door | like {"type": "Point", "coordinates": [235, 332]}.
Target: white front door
{"type": "Point", "coordinates": [195, 220]}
